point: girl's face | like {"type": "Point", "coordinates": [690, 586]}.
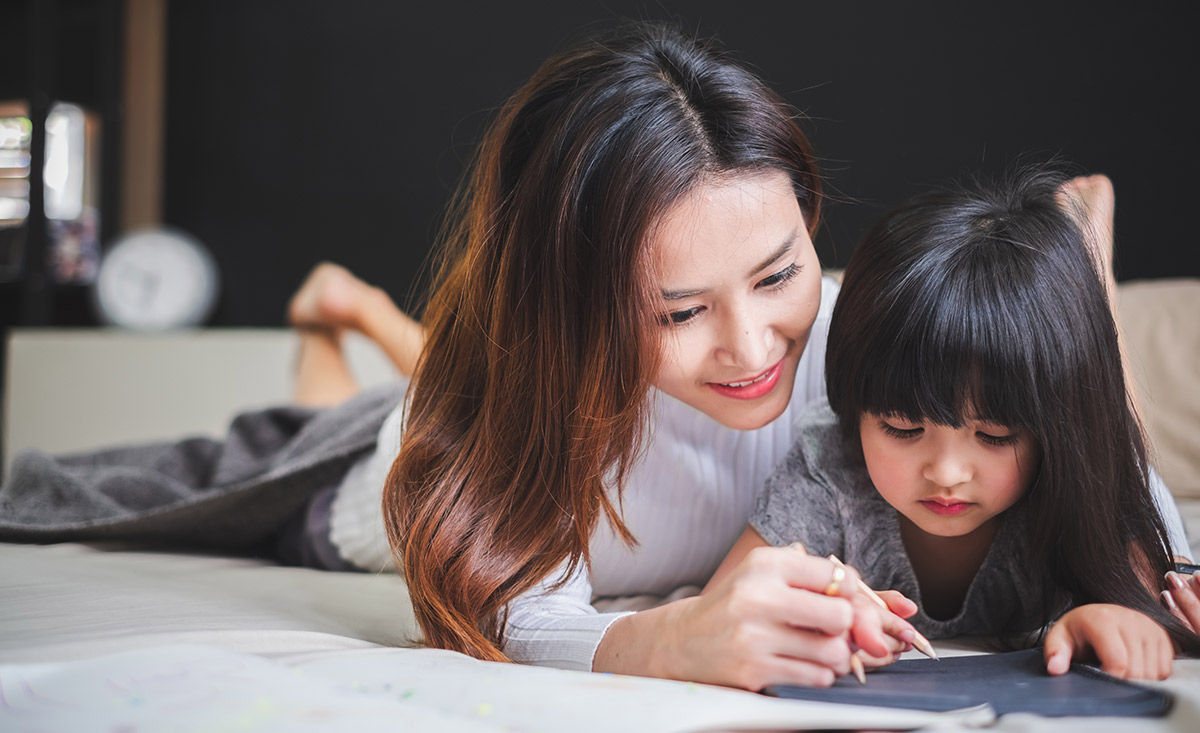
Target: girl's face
{"type": "Point", "coordinates": [740, 286]}
{"type": "Point", "coordinates": [948, 481]}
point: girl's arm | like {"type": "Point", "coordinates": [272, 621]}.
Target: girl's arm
{"type": "Point", "coordinates": [1127, 643]}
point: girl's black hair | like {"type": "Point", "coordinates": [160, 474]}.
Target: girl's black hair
{"type": "Point", "coordinates": [983, 302]}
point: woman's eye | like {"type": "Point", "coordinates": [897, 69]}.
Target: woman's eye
{"type": "Point", "coordinates": [901, 433]}
{"type": "Point", "coordinates": [781, 277]}
{"type": "Point", "coordinates": [999, 440]}
{"type": "Point", "coordinates": [676, 318]}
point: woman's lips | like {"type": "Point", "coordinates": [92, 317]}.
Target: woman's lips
{"type": "Point", "coordinates": [946, 507]}
{"type": "Point", "coordinates": [753, 388]}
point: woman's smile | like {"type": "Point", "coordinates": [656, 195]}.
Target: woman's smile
{"type": "Point", "coordinates": [753, 387]}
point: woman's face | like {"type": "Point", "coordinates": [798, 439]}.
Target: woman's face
{"type": "Point", "coordinates": [740, 286]}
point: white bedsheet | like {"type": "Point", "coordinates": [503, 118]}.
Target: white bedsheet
{"type": "Point", "coordinates": [108, 639]}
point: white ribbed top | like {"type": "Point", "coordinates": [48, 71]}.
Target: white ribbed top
{"type": "Point", "coordinates": [686, 502]}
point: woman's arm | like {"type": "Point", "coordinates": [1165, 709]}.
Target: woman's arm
{"type": "Point", "coordinates": [748, 541]}
{"type": "Point", "coordinates": [768, 621]}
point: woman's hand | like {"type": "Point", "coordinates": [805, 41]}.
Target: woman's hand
{"type": "Point", "coordinates": [1127, 643]}
{"type": "Point", "coordinates": [765, 621]}
{"type": "Point", "coordinates": [1182, 598]}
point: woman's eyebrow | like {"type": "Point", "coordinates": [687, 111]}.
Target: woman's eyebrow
{"type": "Point", "coordinates": [783, 249]}
{"type": "Point", "coordinates": [772, 259]}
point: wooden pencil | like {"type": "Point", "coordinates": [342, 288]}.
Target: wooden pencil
{"type": "Point", "coordinates": [856, 666]}
{"type": "Point", "coordinates": [919, 641]}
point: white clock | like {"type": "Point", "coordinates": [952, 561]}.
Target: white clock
{"type": "Point", "coordinates": [156, 279]}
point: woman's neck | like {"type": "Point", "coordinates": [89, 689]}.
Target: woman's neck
{"type": "Point", "coordinates": [945, 566]}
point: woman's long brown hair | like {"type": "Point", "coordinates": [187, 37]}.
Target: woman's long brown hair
{"type": "Point", "coordinates": [529, 400]}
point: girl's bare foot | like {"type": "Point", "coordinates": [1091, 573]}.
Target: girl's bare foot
{"type": "Point", "coordinates": [330, 297]}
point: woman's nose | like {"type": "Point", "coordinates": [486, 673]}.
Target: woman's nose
{"type": "Point", "coordinates": [747, 343]}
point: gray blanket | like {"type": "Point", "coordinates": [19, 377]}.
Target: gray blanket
{"type": "Point", "coordinates": [230, 494]}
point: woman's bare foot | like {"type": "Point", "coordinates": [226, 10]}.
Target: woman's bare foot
{"type": "Point", "coordinates": [330, 297]}
{"type": "Point", "coordinates": [1090, 200]}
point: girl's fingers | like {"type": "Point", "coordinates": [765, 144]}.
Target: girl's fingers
{"type": "Point", "coordinates": [1151, 659]}
{"type": "Point", "coordinates": [1058, 650]}
{"type": "Point", "coordinates": [898, 603]}
{"type": "Point", "coordinates": [897, 628]}
{"type": "Point", "coordinates": [1166, 656]}
{"type": "Point", "coordinates": [868, 632]}
{"type": "Point", "coordinates": [1112, 653]}
{"type": "Point", "coordinates": [1135, 650]}
{"type": "Point", "coordinates": [872, 662]}
{"type": "Point", "coordinates": [1184, 592]}
{"type": "Point", "coordinates": [1168, 602]}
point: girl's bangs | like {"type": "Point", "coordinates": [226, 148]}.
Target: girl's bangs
{"type": "Point", "coordinates": [953, 354]}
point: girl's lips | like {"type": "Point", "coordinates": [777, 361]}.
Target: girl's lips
{"type": "Point", "coordinates": [950, 508]}
{"type": "Point", "coordinates": [752, 388]}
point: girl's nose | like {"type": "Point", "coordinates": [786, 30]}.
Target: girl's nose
{"type": "Point", "coordinates": [947, 469]}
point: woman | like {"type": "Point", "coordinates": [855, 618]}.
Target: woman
{"type": "Point", "coordinates": [629, 297]}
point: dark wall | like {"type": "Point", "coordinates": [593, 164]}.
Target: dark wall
{"type": "Point", "coordinates": [300, 131]}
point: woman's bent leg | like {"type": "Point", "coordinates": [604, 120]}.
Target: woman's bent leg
{"type": "Point", "coordinates": [332, 298]}
{"type": "Point", "coordinates": [323, 379]}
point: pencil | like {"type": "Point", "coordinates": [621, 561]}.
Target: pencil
{"type": "Point", "coordinates": [919, 641]}
{"type": "Point", "coordinates": [856, 666]}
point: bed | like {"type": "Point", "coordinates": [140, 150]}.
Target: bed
{"type": "Point", "coordinates": [120, 637]}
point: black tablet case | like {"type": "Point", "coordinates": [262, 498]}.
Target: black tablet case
{"type": "Point", "coordinates": [1012, 682]}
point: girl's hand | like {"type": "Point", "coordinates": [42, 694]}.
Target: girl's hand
{"type": "Point", "coordinates": [899, 631]}
{"type": "Point", "coordinates": [1127, 643]}
{"type": "Point", "coordinates": [1182, 598]}
{"type": "Point", "coordinates": [765, 621]}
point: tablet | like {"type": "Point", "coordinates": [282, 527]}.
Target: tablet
{"type": "Point", "coordinates": [1010, 682]}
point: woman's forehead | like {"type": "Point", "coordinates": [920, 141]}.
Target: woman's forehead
{"type": "Point", "coordinates": [726, 227]}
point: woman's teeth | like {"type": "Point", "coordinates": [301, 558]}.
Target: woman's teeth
{"type": "Point", "coordinates": [757, 379]}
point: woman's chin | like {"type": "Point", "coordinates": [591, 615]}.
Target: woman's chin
{"type": "Point", "coordinates": [749, 415]}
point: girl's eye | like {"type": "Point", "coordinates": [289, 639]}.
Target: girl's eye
{"type": "Point", "coordinates": [781, 277]}
{"type": "Point", "coordinates": [901, 433]}
{"type": "Point", "coordinates": [676, 318]}
{"type": "Point", "coordinates": [997, 440]}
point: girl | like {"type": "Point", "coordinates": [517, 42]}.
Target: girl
{"type": "Point", "coordinates": [978, 451]}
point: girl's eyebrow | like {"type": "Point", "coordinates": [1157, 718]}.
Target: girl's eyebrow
{"type": "Point", "coordinates": [772, 259]}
